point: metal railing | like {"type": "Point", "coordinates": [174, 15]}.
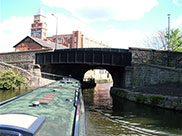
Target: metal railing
{"type": "Point", "coordinates": [78, 122]}
{"type": "Point", "coordinates": [77, 112]}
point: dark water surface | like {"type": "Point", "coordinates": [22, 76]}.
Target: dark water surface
{"type": "Point", "coordinates": [108, 116]}
{"type": "Point", "coordinates": [7, 94]}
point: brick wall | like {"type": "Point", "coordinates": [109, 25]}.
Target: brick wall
{"type": "Point", "coordinates": [65, 40]}
{"type": "Point", "coordinates": [27, 44]}
{"type": "Point", "coordinates": [78, 41]}
{"type": "Point", "coordinates": [30, 46]}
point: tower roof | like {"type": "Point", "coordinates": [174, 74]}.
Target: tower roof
{"type": "Point", "coordinates": [40, 11]}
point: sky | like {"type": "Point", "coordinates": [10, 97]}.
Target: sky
{"type": "Point", "coordinates": [120, 23]}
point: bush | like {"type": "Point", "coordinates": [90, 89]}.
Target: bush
{"type": "Point", "coordinates": [10, 80]}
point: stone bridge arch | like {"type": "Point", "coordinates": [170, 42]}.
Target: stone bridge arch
{"type": "Point", "coordinates": [98, 74]}
{"type": "Point", "coordinates": [78, 71]}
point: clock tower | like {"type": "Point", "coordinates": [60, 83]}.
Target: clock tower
{"type": "Point", "coordinates": [39, 27]}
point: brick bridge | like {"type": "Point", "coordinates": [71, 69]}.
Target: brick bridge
{"type": "Point", "coordinates": [76, 62]}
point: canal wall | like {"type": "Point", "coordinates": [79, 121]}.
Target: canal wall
{"type": "Point", "coordinates": [22, 59]}
{"type": "Point", "coordinates": [142, 74]}
{"type": "Point", "coordinates": [23, 72]}
{"type": "Point", "coordinates": [151, 67]}
{"type": "Point", "coordinates": [168, 102]}
{"type": "Point", "coordinates": [33, 78]}
{"type": "Point", "coordinates": [24, 62]}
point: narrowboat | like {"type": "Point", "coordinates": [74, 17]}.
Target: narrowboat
{"type": "Point", "coordinates": [56, 109]}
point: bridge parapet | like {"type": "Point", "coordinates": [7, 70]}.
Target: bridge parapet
{"type": "Point", "coordinates": [92, 56]}
{"type": "Point", "coordinates": [157, 57]}
{"type": "Point", "coordinates": [22, 59]}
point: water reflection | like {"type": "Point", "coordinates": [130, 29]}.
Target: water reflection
{"type": "Point", "coordinates": [102, 98]}
{"type": "Point", "coordinates": [107, 117]}
{"type": "Point", "coordinates": [7, 94]}
{"type": "Point", "coordinates": [148, 117]}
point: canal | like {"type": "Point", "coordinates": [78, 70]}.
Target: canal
{"type": "Point", "coordinates": [107, 116]}
{"type": "Point", "coordinates": [7, 94]}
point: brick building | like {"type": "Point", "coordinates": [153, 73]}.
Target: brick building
{"type": "Point", "coordinates": [39, 39]}
{"type": "Point", "coordinates": [39, 27]}
{"type": "Point", "coordinates": [74, 40]}
{"type": "Point", "coordinates": [31, 43]}
{"type": "Point", "coordinates": [78, 40]}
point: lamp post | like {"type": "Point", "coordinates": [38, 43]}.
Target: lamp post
{"type": "Point", "coordinates": [168, 30]}
{"type": "Point", "coordinates": [168, 39]}
{"type": "Point", "coordinates": [56, 30]}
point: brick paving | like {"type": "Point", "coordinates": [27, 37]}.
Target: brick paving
{"type": "Point", "coordinates": [47, 98]}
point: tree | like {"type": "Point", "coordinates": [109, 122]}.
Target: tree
{"type": "Point", "coordinates": [156, 41]}
{"type": "Point", "coordinates": [174, 40]}
{"type": "Point", "coordinates": [10, 80]}
{"type": "Point", "coordinates": [163, 41]}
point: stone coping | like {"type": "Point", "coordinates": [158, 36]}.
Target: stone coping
{"type": "Point", "coordinates": [168, 102]}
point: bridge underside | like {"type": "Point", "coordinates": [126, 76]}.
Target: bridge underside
{"type": "Point", "coordinates": [78, 71]}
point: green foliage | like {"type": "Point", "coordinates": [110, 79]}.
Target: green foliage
{"type": "Point", "coordinates": [155, 99]}
{"type": "Point", "coordinates": [175, 40]}
{"type": "Point", "coordinates": [10, 80]}
{"type": "Point", "coordinates": [141, 99]}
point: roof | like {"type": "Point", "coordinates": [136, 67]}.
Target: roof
{"type": "Point", "coordinates": [43, 43]}
{"type": "Point", "coordinates": [59, 112]}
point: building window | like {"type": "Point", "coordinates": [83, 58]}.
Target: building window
{"type": "Point", "coordinates": [60, 40]}
{"type": "Point", "coordinates": [75, 39]}
{"type": "Point", "coordinates": [75, 45]}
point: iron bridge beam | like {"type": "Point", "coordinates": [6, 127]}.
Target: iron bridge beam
{"type": "Point", "coordinates": [90, 56]}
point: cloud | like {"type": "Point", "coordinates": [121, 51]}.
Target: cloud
{"type": "Point", "coordinates": [104, 10]}
{"type": "Point", "coordinates": [13, 30]}
{"type": "Point", "coordinates": [122, 39]}
{"type": "Point", "coordinates": [65, 25]}
{"type": "Point", "coordinates": [177, 22]}
{"type": "Point", "coordinates": [177, 2]}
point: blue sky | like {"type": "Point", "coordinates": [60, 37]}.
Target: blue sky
{"type": "Point", "coordinates": [121, 23]}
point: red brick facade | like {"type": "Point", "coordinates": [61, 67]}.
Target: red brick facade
{"type": "Point", "coordinates": [65, 40]}
{"type": "Point", "coordinates": [74, 40]}
{"type": "Point", "coordinates": [28, 44]}
{"type": "Point", "coordinates": [77, 40]}
{"type": "Point", "coordinates": [39, 27]}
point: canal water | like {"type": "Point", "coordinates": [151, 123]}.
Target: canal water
{"type": "Point", "coordinates": [107, 116]}
{"type": "Point", "coordinates": [7, 94]}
